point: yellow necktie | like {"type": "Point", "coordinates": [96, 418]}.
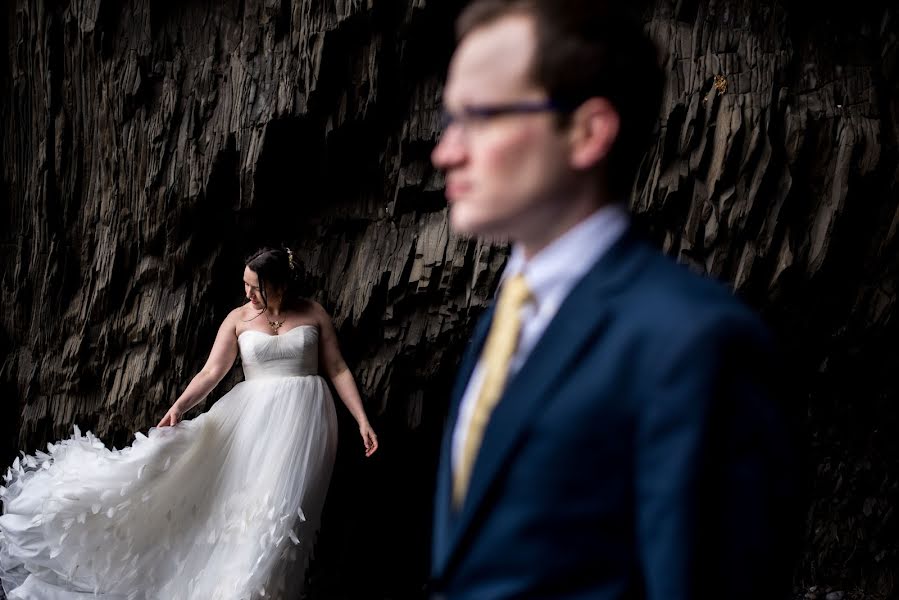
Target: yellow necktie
{"type": "Point", "coordinates": [498, 351]}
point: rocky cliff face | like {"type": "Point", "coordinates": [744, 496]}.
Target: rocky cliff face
{"type": "Point", "coordinates": [147, 147]}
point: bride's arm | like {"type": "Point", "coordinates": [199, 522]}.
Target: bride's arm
{"type": "Point", "coordinates": [222, 356]}
{"type": "Point", "coordinates": [337, 371]}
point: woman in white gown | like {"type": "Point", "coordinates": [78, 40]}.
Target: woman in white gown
{"type": "Point", "coordinates": [223, 506]}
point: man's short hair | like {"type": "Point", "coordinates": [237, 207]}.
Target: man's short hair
{"type": "Point", "coordinates": [586, 49]}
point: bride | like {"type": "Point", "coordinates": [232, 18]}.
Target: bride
{"type": "Point", "coordinates": [223, 506]}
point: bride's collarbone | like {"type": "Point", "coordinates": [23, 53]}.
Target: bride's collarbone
{"type": "Point", "coordinates": [285, 323]}
{"type": "Point", "coordinates": [286, 328]}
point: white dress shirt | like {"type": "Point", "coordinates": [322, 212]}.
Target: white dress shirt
{"type": "Point", "coordinates": [550, 275]}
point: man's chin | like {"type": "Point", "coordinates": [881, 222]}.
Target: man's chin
{"type": "Point", "coordinates": [469, 226]}
{"type": "Point", "coordinates": [462, 222]}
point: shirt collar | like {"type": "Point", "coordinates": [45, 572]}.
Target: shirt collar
{"type": "Point", "coordinates": [552, 272]}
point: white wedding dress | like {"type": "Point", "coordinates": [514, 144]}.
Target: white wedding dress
{"type": "Point", "coordinates": [223, 506]}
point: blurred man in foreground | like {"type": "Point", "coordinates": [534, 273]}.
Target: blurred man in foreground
{"type": "Point", "coordinates": [612, 433]}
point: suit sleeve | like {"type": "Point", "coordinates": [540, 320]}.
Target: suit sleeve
{"type": "Point", "coordinates": [714, 468]}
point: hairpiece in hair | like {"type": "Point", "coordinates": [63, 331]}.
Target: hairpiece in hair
{"type": "Point", "coordinates": [290, 262]}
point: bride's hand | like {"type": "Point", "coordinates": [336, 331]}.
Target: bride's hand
{"type": "Point", "coordinates": [369, 439]}
{"type": "Point", "coordinates": [172, 417]}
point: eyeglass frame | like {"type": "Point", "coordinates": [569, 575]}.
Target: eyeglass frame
{"type": "Point", "coordinates": [483, 113]}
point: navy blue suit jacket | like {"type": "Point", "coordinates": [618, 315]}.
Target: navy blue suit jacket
{"type": "Point", "coordinates": [636, 454]}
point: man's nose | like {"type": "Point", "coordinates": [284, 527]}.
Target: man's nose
{"type": "Point", "coordinates": [450, 150]}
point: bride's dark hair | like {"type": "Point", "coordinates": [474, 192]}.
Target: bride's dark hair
{"type": "Point", "coordinates": [275, 268]}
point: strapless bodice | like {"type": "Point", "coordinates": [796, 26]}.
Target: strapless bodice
{"type": "Point", "coordinates": [290, 354]}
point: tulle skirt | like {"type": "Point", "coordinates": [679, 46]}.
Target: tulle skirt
{"type": "Point", "coordinates": [223, 506]}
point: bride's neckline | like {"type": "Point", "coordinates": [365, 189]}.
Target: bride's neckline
{"type": "Point", "coordinates": [278, 335]}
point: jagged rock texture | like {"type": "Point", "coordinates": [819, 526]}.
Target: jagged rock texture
{"type": "Point", "coordinates": [148, 146]}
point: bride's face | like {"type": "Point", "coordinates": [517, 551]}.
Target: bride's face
{"type": "Point", "coordinates": [251, 288]}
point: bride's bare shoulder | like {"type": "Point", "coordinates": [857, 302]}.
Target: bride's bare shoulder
{"type": "Point", "coordinates": [324, 320]}
{"type": "Point", "coordinates": [240, 312]}
{"type": "Point", "coordinates": [312, 310]}
{"type": "Point", "coordinates": [237, 317]}
{"type": "Point", "coordinates": [317, 309]}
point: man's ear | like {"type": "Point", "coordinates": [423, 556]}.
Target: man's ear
{"type": "Point", "coordinates": [592, 132]}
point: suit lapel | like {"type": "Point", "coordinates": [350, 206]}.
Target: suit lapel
{"type": "Point", "coordinates": [444, 516]}
{"type": "Point", "coordinates": [578, 322]}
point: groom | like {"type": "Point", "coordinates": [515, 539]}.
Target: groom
{"type": "Point", "coordinates": [612, 433]}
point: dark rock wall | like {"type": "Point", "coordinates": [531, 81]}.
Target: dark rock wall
{"type": "Point", "coordinates": [148, 146]}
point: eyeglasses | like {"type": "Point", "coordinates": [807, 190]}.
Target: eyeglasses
{"type": "Point", "coordinates": [474, 115]}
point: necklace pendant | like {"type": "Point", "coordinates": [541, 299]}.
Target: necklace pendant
{"type": "Point", "coordinates": [276, 325]}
